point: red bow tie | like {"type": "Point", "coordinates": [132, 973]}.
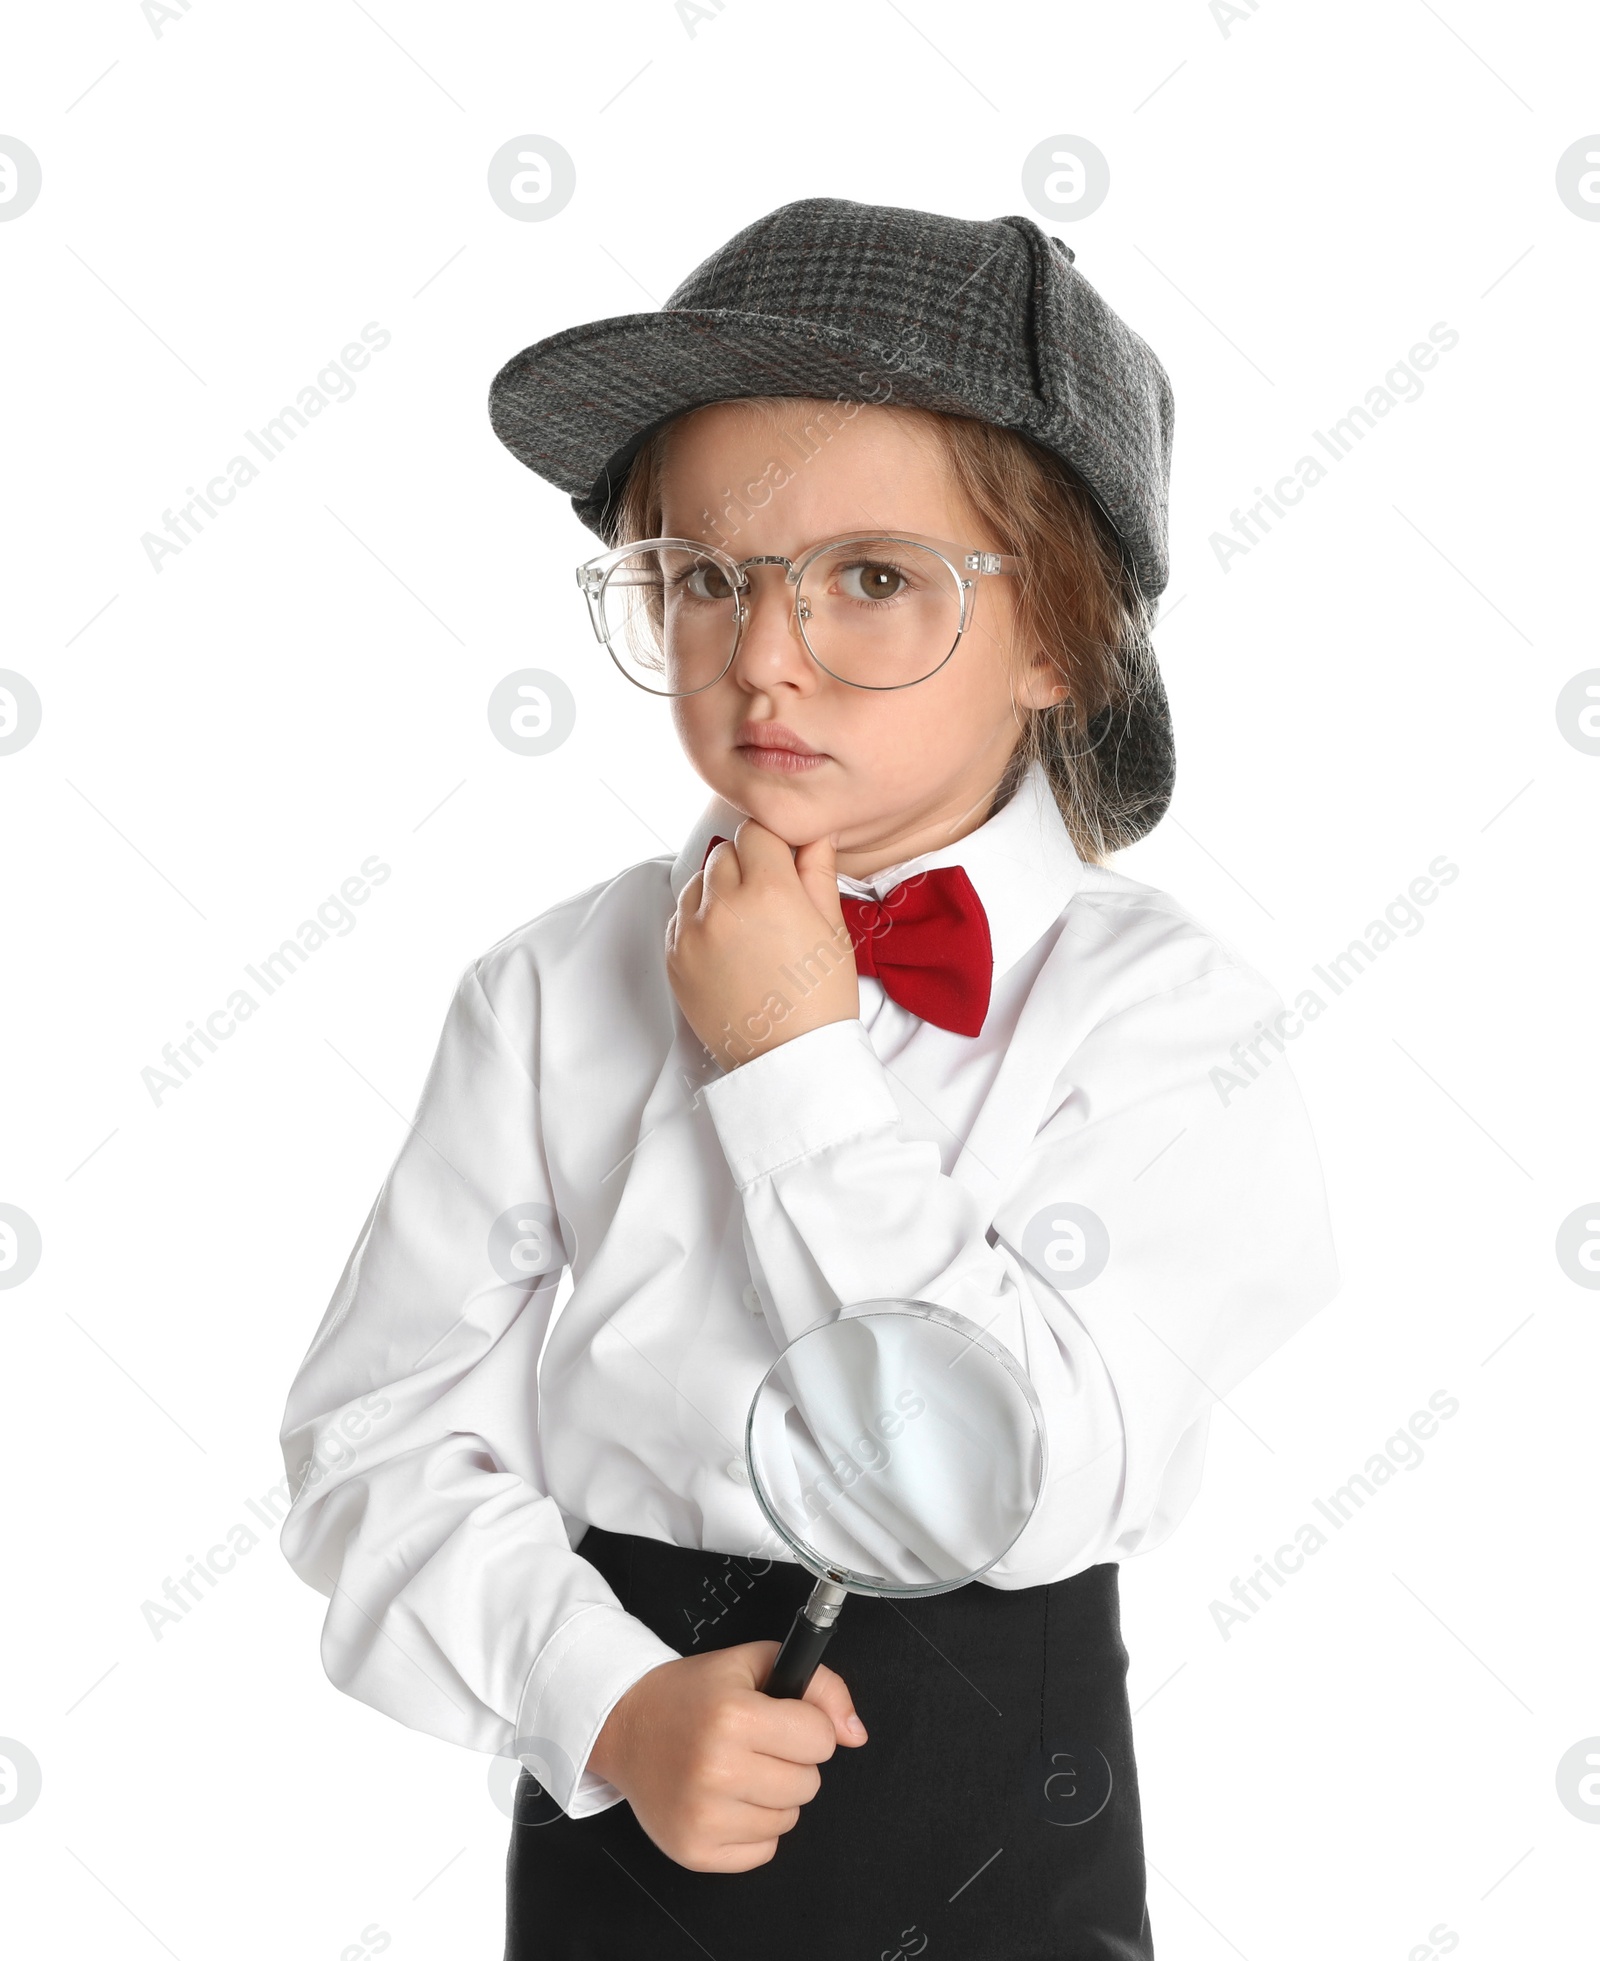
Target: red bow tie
{"type": "Point", "coordinates": [927, 943]}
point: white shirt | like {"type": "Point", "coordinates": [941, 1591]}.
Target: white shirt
{"type": "Point", "coordinates": [459, 1418]}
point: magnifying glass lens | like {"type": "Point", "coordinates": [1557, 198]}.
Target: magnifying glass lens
{"type": "Point", "coordinates": [897, 1450]}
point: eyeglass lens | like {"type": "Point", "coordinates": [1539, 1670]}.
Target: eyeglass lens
{"type": "Point", "coordinates": [878, 612]}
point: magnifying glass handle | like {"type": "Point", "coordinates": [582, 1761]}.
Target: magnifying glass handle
{"type": "Point", "coordinates": [803, 1646]}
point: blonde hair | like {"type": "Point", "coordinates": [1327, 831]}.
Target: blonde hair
{"type": "Point", "coordinates": [1074, 596]}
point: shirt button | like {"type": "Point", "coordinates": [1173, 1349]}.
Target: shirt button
{"type": "Point", "coordinates": [752, 1300]}
{"type": "Point", "coordinates": [737, 1471]}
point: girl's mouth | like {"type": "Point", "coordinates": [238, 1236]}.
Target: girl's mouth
{"type": "Point", "coordinates": [770, 746]}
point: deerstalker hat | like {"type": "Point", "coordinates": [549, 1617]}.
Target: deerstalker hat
{"type": "Point", "coordinates": [832, 299]}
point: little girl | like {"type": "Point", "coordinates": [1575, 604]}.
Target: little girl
{"type": "Point", "coordinates": [884, 498]}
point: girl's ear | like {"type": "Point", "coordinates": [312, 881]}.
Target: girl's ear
{"type": "Point", "coordinates": [1043, 685]}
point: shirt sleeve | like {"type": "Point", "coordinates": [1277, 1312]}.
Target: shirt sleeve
{"type": "Point", "coordinates": [411, 1438]}
{"type": "Point", "coordinates": [1160, 1237]}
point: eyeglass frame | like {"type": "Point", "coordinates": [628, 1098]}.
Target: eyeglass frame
{"type": "Point", "coordinates": [593, 574]}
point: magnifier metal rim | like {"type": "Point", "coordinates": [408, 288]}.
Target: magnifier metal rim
{"type": "Point", "coordinates": [918, 1311]}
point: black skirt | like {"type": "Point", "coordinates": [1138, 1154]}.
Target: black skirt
{"type": "Point", "coordinates": [993, 1810]}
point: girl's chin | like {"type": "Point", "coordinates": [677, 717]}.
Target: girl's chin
{"type": "Point", "coordinates": [797, 820]}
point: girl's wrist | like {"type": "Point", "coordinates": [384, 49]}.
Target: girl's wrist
{"type": "Point", "coordinates": [610, 1750]}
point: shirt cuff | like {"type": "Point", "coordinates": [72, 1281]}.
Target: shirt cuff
{"type": "Point", "coordinates": [582, 1673]}
{"type": "Point", "coordinates": [821, 1088]}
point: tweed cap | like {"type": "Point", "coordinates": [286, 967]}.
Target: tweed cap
{"type": "Point", "coordinates": [837, 300]}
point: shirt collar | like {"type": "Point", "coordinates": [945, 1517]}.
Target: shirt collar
{"type": "Point", "coordinates": [1021, 862]}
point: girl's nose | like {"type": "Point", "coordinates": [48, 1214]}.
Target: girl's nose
{"type": "Point", "coordinates": [771, 651]}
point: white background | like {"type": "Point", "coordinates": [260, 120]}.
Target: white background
{"type": "Point", "coordinates": [1368, 1766]}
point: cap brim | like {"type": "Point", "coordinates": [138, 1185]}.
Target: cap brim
{"type": "Point", "coordinates": [576, 408]}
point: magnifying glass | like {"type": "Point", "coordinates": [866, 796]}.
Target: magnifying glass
{"type": "Point", "coordinates": [898, 1450]}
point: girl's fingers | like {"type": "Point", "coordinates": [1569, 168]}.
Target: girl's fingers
{"type": "Point", "coordinates": [760, 850]}
{"type": "Point", "coordinates": [721, 873]}
{"type": "Point", "coordinates": [688, 905]}
{"type": "Point", "coordinates": [763, 854]}
{"type": "Point", "coordinates": [774, 1784]}
{"type": "Point", "coordinates": [750, 1824]}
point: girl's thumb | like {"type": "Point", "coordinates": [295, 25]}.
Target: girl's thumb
{"type": "Point", "coordinates": [827, 1690]}
{"type": "Point", "coordinates": [816, 865]}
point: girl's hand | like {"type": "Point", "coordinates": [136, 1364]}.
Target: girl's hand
{"type": "Point", "coordinates": [758, 951]}
{"type": "Point", "coordinates": [715, 1770]}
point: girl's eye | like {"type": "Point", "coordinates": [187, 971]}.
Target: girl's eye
{"type": "Point", "coordinates": [707, 582]}
{"type": "Point", "coordinates": [872, 580]}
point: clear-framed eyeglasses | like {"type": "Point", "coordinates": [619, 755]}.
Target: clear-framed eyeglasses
{"type": "Point", "coordinates": [873, 610]}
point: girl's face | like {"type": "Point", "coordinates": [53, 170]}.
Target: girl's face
{"type": "Point", "coordinates": [895, 772]}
